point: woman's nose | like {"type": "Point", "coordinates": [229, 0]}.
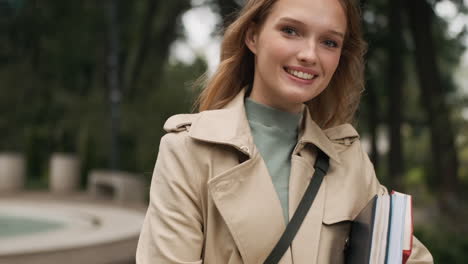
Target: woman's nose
{"type": "Point", "coordinates": [308, 53]}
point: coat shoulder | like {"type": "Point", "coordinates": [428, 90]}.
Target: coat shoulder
{"type": "Point", "coordinates": [180, 122]}
{"type": "Point", "coordinates": [346, 142]}
{"type": "Point", "coordinates": [342, 134]}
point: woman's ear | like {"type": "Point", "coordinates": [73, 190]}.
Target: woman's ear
{"type": "Point", "coordinates": [251, 38]}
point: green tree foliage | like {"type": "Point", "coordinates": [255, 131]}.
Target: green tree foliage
{"type": "Point", "coordinates": [382, 65]}
{"type": "Point", "coordinates": [415, 130]}
{"type": "Point", "coordinates": [53, 80]}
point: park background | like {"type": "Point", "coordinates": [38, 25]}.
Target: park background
{"type": "Point", "coordinates": [97, 79]}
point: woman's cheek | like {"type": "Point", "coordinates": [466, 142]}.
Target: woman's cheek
{"type": "Point", "coordinates": [331, 62]}
{"type": "Point", "coordinates": [283, 48]}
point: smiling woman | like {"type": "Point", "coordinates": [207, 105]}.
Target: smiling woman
{"type": "Point", "coordinates": [229, 179]}
{"type": "Point", "coordinates": [333, 106]}
{"type": "Point", "coordinates": [297, 50]}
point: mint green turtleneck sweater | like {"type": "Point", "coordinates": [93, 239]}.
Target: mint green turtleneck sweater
{"type": "Point", "coordinates": [275, 136]}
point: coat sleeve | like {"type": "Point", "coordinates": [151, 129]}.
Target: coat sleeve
{"type": "Point", "coordinates": [172, 231]}
{"type": "Point", "coordinates": [419, 253]}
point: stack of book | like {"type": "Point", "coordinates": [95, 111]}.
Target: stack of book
{"type": "Point", "coordinates": [383, 232]}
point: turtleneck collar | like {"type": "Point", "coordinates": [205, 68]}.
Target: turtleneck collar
{"type": "Point", "coordinates": [271, 117]}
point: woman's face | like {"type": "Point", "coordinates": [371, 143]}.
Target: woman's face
{"type": "Point", "coordinates": [297, 49]}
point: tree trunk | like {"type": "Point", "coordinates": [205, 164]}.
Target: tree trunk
{"type": "Point", "coordinates": [160, 37]}
{"type": "Point", "coordinates": [113, 80]}
{"type": "Point", "coordinates": [137, 58]}
{"type": "Point", "coordinates": [371, 100]}
{"type": "Point", "coordinates": [444, 155]}
{"type": "Point", "coordinates": [395, 82]}
{"type": "Point", "coordinates": [373, 120]}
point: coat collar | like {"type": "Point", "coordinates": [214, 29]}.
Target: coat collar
{"type": "Point", "coordinates": [230, 126]}
{"type": "Point", "coordinates": [314, 135]}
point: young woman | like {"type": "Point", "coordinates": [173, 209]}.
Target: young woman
{"type": "Point", "coordinates": [228, 179]}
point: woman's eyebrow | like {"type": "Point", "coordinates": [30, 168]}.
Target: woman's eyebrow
{"type": "Point", "coordinates": [291, 20]}
{"type": "Point", "coordinates": [295, 21]}
{"type": "Point", "coordinates": [337, 33]}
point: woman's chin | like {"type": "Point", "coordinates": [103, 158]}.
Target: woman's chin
{"type": "Point", "coordinates": [298, 96]}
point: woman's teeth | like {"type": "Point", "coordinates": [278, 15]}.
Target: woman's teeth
{"type": "Point", "coordinates": [301, 75]}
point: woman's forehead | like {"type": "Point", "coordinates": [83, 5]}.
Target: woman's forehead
{"type": "Point", "coordinates": [325, 13]}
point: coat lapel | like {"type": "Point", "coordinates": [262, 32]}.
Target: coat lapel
{"type": "Point", "coordinates": [248, 202]}
{"type": "Point", "coordinates": [306, 243]}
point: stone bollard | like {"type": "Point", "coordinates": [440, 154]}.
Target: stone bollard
{"type": "Point", "coordinates": [119, 186]}
{"type": "Point", "coordinates": [12, 172]}
{"type": "Point", "coordinates": [64, 173]}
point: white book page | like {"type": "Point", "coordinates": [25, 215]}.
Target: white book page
{"type": "Point", "coordinates": [408, 234]}
{"type": "Point", "coordinates": [395, 249]}
{"type": "Point", "coordinates": [384, 230]}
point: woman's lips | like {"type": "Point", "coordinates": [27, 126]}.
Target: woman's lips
{"type": "Point", "coordinates": [303, 76]}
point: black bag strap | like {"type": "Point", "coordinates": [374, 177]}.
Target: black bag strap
{"type": "Point", "coordinates": [321, 168]}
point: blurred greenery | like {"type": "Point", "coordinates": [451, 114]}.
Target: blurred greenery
{"type": "Point", "coordinates": [445, 247]}
{"type": "Point", "coordinates": [54, 95]}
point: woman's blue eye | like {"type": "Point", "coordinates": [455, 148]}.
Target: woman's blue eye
{"type": "Point", "coordinates": [331, 43]}
{"type": "Point", "coordinates": [289, 31]}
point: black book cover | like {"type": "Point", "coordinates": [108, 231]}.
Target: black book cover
{"type": "Point", "coordinates": [360, 240]}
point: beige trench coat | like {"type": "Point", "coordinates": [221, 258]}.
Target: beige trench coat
{"type": "Point", "coordinates": [212, 200]}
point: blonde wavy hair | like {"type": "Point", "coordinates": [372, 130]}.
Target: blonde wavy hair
{"type": "Point", "coordinates": [336, 105]}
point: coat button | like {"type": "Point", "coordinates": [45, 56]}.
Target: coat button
{"type": "Point", "coordinates": [346, 244]}
{"type": "Point", "coordinates": [245, 148]}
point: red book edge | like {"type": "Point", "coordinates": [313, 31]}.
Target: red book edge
{"type": "Point", "coordinates": [407, 253]}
